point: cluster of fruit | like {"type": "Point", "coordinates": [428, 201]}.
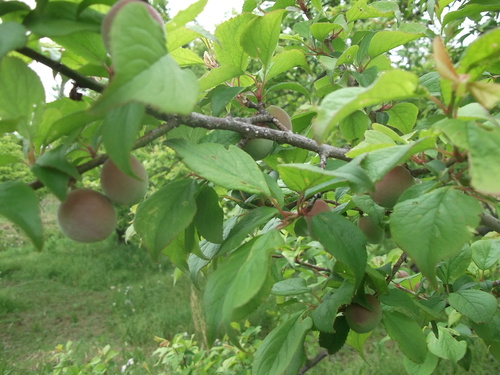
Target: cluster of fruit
{"type": "Point", "coordinates": [89, 216]}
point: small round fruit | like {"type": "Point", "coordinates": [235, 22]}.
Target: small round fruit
{"type": "Point", "coordinates": [113, 11]}
{"type": "Point", "coordinates": [362, 320]}
{"type": "Point", "coordinates": [388, 190]}
{"type": "Point", "coordinates": [259, 148]}
{"type": "Point", "coordinates": [281, 115]}
{"type": "Point", "coordinates": [123, 189]}
{"type": "Point", "coordinates": [86, 216]}
{"type": "Point", "coordinates": [373, 232]}
{"type": "Point", "coordinates": [401, 274]}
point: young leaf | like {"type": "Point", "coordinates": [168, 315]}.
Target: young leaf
{"type": "Point", "coordinates": [344, 240]}
{"type": "Point", "coordinates": [119, 131]}
{"type": "Point", "coordinates": [442, 218]}
{"type": "Point", "coordinates": [276, 352]}
{"type": "Point", "coordinates": [186, 15]}
{"type": "Point", "coordinates": [144, 72]}
{"type": "Point", "coordinates": [165, 214]}
{"type": "Point", "coordinates": [19, 204]}
{"type": "Point", "coordinates": [478, 306]}
{"type": "Point", "coordinates": [392, 85]}
{"type": "Point", "coordinates": [261, 35]}
{"type": "Point", "coordinates": [231, 168]}
{"type": "Point", "coordinates": [209, 215]}
{"type": "Point", "coordinates": [446, 346]}
{"type": "Point", "coordinates": [407, 333]}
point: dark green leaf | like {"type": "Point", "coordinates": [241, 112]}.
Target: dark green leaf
{"type": "Point", "coordinates": [290, 287]}
{"type": "Point", "coordinates": [478, 306]}
{"type": "Point", "coordinates": [12, 36]}
{"type": "Point", "coordinates": [209, 215]}
{"type": "Point", "coordinates": [333, 342]}
{"type": "Point", "coordinates": [325, 314]}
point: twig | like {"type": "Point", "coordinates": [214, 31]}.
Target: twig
{"type": "Point", "coordinates": [313, 362]}
{"type": "Point", "coordinates": [490, 222]}
{"type": "Point", "coordinates": [396, 266]}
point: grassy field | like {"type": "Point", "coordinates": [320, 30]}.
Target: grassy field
{"type": "Point", "coordinates": [109, 294]}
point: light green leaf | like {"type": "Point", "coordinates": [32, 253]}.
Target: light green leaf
{"type": "Point", "coordinates": [357, 340]}
{"type": "Point", "coordinates": [484, 149]}
{"type": "Point", "coordinates": [22, 91]}
{"type": "Point", "coordinates": [180, 37]}
{"type": "Point", "coordinates": [348, 55]}
{"type": "Point", "coordinates": [285, 61]}
{"type": "Point", "coordinates": [155, 221]}
{"type": "Point", "coordinates": [238, 284]}
{"type": "Point", "coordinates": [294, 86]}
{"type": "Point", "coordinates": [276, 352]}
{"type": "Point", "coordinates": [361, 10]}
{"type": "Point", "coordinates": [87, 46]}
{"type": "Point", "coordinates": [384, 41]}
{"type": "Point", "coordinates": [446, 346]}
{"type": "Point", "coordinates": [486, 253]}
{"type": "Point", "coordinates": [344, 240]}
{"type": "Point", "coordinates": [325, 314]}
{"type": "Point", "coordinates": [478, 306]}
{"type": "Point", "coordinates": [186, 15]}
{"type": "Point", "coordinates": [12, 36]}
{"type": "Point", "coordinates": [209, 215]}
{"type": "Point", "coordinates": [186, 57]}
{"type": "Point", "coordinates": [320, 30]}
{"type": "Point", "coordinates": [261, 35]}
{"type": "Point", "coordinates": [300, 177]}
{"type": "Point", "coordinates": [443, 219]}
{"type": "Point", "coordinates": [290, 287]}
{"type": "Point", "coordinates": [471, 10]}
{"type": "Point", "coordinates": [219, 75]}
{"type": "Point", "coordinates": [144, 72]}
{"type": "Point", "coordinates": [354, 126]}
{"type": "Point", "coordinates": [403, 116]}
{"type": "Point", "coordinates": [391, 85]}
{"type": "Point", "coordinates": [19, 204]}
{"type": "Point", "coordinates": [425, 368]}
{"type": "Point", "coordinates": [482, 51]}
{"type": "Point", "coordinates": [407, 333]}
{"type": "Point", "coordinates": [229, 50]}
{"type": "Point", "coordinates": [119, 131]}
{"type": "Point", "coordinates": [231, 168]}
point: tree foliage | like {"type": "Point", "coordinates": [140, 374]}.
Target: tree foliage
{"type": "Point", "coordinates": [369, 86]}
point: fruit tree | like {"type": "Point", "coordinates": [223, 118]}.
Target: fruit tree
{"type": "Point", "coordinates": [385, 112]}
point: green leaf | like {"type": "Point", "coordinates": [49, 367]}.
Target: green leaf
{"type": "Point", "coordinates": [166, 214]}
{"type": "Point", "coordinates": [209, 215]}
{"type": "Point", "coordinates": [186, 15]}
{"type": "Point", "coordinates": [231, 168]}
{"type": "Point", "coordinates": [238, 285]}
{"type": "Point", "coordinates": [478, 306]}
{"type": "Point", "coordinates": [12, 36]}
{"type": "Point", "coordinates": [384, 41]}
{"type": "Point", "coordinates": [260, 37]}
{"type": "Point", "coordinates": [293, 86]}
{"type": "Point", "coordinates": [320, 30]}
{"type": "Point", "coordinates": [357, 340]}
{"type": "Point", "coordinates": [119, 131]}
{"type": "Point", "coordinates": [7, 7]}
{"type": "Point", "coordinates": [490, 333]}
{"type": "Point", "coordinates": [222, 96]}
{"type": "Point", "coordinates": [403, 116]}
{"type": "Point", "coordinates": [246, 225]}
{"type": "Point", "coordinates": [486, 253]}
{"type": "Point", "coordinates": [22, 92]}
{"type": "Point", "coordinates": [407, 333]}
{"type": "Point", "coordinates": [229, 50]}
{"type": "Point", "coordinates": [290, 287]}
{"type": "Point", "coordinates": [470, 10]}
{"type": "Point", "coordinates": [483, 51]}
{"type": "Point", "coordinates": [454, 267]}
{"type": "Point", "coordinates": [219, 75]}
{"type": "Point", "coordinates": [70, 124]}
{"type": "Point", "coordinates": [443, 219]}
{"type": "Point", "coordinates": [391, 85]}
{"type": "Point", "coordinates": [151, 77]}
{"type": "Point", "coordinates": [425, 368]}
{"type": "Point", "coordinates": [354, 126]}
{"type": "Point", "coordinates": [446, 346]}
{"type": "Point", "coordinates": [325, 314]}
{"type": "Point", "coordinates": [344, 240]}
{"type": "Point", "coordinates": [361, 10]}
{"type": "Point", "coordinates": [333, 342]}
{"type": "Point", "coordinates": [285, 61]}
{"type": "Point", "coordinates": [277, 350]}
{"type": "Point", "coordinates": [300, 177]}
{"type": "Point", "coordinates": [483, 146]}
{"type": "Point", "coordinates": [19, 204]}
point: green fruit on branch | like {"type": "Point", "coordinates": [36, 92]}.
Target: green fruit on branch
{"type": "Point", "coordinates": [86, 216]}
{"type": "Point", "coordinates": [372, 231]}
{"type": "Point", "coordinates": [281, 115]}
{"type": "Point", "coordinates": [113, 11]}
{"type": "Point", "coordinates": [361, 319]}
{"type": "Point", "coordinates": [121, 188]}
{"type": "Point", "coordinates": [259, 148]}
{"type": "Point", "coordinates": [391, 186]}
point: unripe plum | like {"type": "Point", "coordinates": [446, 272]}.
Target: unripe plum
{"type": "Point", "coordinates": [258, 148]}
{"type": "Point", "coordinates": [86, 216]}
{"type": "Point", "coordinates": [372, 231]}
{"type": "Point", "coordinates": [391, 186]}
{"type": "Point", "coordinates": [123, 189]}
{"type": "Point", "coordinates": [113, 11]}
{"type": "Point", "coordinates": [361, 319]}
{"type": "Point", "coordinates": [281, 115]}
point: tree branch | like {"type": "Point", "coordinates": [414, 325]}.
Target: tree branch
{"type": "Point", "coordinates": [490, 222]}
{"type": "Point", "coordinates": [313, 362]}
